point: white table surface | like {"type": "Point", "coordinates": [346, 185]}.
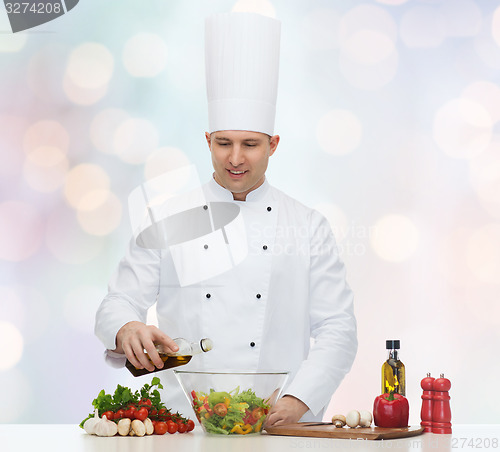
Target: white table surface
{"type": "Point", "coordinates": [71, 438]}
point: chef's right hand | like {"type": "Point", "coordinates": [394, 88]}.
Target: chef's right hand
{"type": "Point", "coordinates": [135, 337]}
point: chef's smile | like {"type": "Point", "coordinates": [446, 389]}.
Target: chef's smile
{"type": "Point", "coordinates": [234, 174]}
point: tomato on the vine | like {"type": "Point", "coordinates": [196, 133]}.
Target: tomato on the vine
{"type": "Point", "coordinates": [181, 427]}
{"type": "Point", "coordinates": [130, 412]}
{"type": "Point", "coordinates": [109, 415]}
{"type": "Point", "coordinates": [161, 428]}
{"type": "Point", "coordinates": [141, 414]}
{"type": "Point", "coordinates": [146, 403]}
{"type": "Point", "coordinates": [172, 427]}
{"type": "Point", "coordinates": [120, 414]}
{"type": "Point", "coordinates": [190, 425]}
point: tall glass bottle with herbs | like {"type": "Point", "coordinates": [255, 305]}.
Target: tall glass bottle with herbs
{"type": "Point", "coordinates": [182, 356]}
{"type": "Point", "coordinates": [393, 370]}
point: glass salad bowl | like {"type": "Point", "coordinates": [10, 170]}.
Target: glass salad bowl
{"type": "Point", "coordinates": [231, 403]}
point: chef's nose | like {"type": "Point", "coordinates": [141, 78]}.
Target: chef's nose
{"type": "Point", "coordinates": [236, 158]}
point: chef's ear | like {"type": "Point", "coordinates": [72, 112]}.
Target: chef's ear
{"type": "Point", "coordinates": [209, 140]}
{"type": "Point", "coordinates": [273, 144]}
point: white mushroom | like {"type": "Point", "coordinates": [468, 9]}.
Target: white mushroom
{"type": "Point", "coordinates": [365, 418]}
{"type": "Point", "coordinates": [138, 428]}
{"type": "Point", "coordinates": [352, 418]}
{"type": "Point", "coordinates": [148, 423]}
{"type": "Point", "coordinates": [338, 420]}
{"type": "Point", "coordinates": [124, 426]}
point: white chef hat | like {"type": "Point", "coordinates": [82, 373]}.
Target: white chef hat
{"type": "Point", "coordinates": [242, 66]}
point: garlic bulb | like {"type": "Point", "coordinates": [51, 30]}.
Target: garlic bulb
{"type": "Point", "coordinates": [89, 425]}
{"type": "Point", "coordinates": [104, 427]}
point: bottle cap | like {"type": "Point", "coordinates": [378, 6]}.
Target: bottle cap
{"type": "Point", "coordinates": [206, 344]}
{"type": "Point", "coordinates": [392, 344]}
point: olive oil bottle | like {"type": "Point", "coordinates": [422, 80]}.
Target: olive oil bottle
{"type": "Point", "coordinates": [393, 370]}
{"type": "Point", "coordinates": [181, 357]}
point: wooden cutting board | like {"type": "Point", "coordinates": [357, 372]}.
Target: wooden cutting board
{"type": "Point", "coordinates": [327, 430]}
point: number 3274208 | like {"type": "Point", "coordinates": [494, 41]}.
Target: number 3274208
{"type": "Point", "coordinates": [33, 8]}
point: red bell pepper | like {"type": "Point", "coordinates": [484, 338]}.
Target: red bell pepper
{"type": "Point", "coordinates": [391, 410]}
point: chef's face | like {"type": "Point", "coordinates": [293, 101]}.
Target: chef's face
{"type": "Point", "coordinates": [240, 159]}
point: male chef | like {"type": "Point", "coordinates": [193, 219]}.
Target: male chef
{"type": "Point", "coordinates": [278, 279]}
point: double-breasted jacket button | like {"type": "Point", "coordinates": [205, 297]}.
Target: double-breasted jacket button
{"type": "Point", "coordinates": [264, 247]}
{"type": "Point", "coordinates": [208, 295]}
{"type": "Point", "coordinates": [252, 344]}
{"type": "Point", "coordinates": [258, 295]}
{"type": "Point", "coordinates": [269, 209]}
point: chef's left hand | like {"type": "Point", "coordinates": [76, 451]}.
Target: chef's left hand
{"type": "Point", "coordinates": [286, 410]}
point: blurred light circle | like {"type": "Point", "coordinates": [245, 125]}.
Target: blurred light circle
{"type": "Point", "coordinates": [422, 26]}
{"type": "Point", "coordinates": [103, 127]}
{"type": "Point", "coordinates": [368, 57]}
{"type": "Point", "coordinates": [487, 94]}
{"type": "Point", "coordinates": [145, 55]}
{"type": "Point", "coordinates": [11, 345]}
{"type": "Point", "coordinates": [163, 160]}
{"type": "Point", "coordinates": [20, 230]}
{"type": "Point", "coordinates": [339, 132]}
{"type": "Point", "coordinates": [484, 177]}
{"type": "Point", "coordinates": [12, 130]}
{"type": "Point", "coordinates": [80, 306]}
{"type": "Point", "coordinates": [395, 238]}
{"type": "Point", "coordinates": [461, 17]}
{"type": "Point", "coordinates": [15, 400]}
{"type": "Point", "coordinates": [367, 17]}
{"type": "Point", "coordinates": [495, 26]}
{"type": "Point", "coordinates": [368, 47]}
{"type": "Point", "coordinates": [46, 133]}
{"type": "Point", "coordinates": [134, 139]}
{"type": "Point", "coordinates": [263, 7]}
{"type": "Point", "coordinates": [462, 128]}
{"type": "Point", "coordinates": [90, 66]}
{"type": "Point", "coordinates": [83, 96]}
{"type": "Point", "coordinates": [67, 242]}
{"type": "Point", "coordinates": [103, 219]}
{"type": "Point", "coordinates": [483, 253]}
{"type": "Point", "coordinates": [337, 219]}
{"type": "Point", "coordinates": [86, 187]}
{"type": "Point", "coordinates": [45, 169]}
{"type": "Point", "coordinates": [320, 28]}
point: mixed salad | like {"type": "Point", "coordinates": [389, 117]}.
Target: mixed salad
{"type": "Point", "coordinates": [230, 413]}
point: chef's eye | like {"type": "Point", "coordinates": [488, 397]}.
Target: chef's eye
{"type": "Point", "coordinates": [250, 145]}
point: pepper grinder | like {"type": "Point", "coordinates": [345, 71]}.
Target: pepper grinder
{"type": "Point", "coordinates": [441, 412]}
{"type": "Point", "coordinates": [427, 384]}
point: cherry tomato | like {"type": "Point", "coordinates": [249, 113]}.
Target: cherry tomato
{"type": "Point", "coordinates": [257, 413]}
{"type": "Point", "coordinates": [181, 427]}
{"type": "Point", "coordinates": [141, 413]}
{"type": "Point", "coordinates": [162, 413]}
{"type": "Point", "coordinates": [220, 409]}
{"type": "Point", "coordinates": [130, 412]}
{"type": "Point", "coordinates": [172, 427]}
{"type": "Point", "coordinates": [120, 414]}
{"type": "Point", "coordinates": [161, 428]}
{"type": "Point", "coordinates": [109, 415]}
{"type": "Point", "coordinates": [146, 403]}
{"type": "Point", "coordinates": [153, 412]}
{"type": "Point", "coordinates": [190, 425]}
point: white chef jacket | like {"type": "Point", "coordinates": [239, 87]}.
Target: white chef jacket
{"type": "Point", "coordinates": [262, 313]}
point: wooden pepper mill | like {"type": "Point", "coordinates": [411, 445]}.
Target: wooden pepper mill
{"type": "Point", "coordinates": [441, 412]}
{"type": "Point", "coordinates": [427, 384]}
